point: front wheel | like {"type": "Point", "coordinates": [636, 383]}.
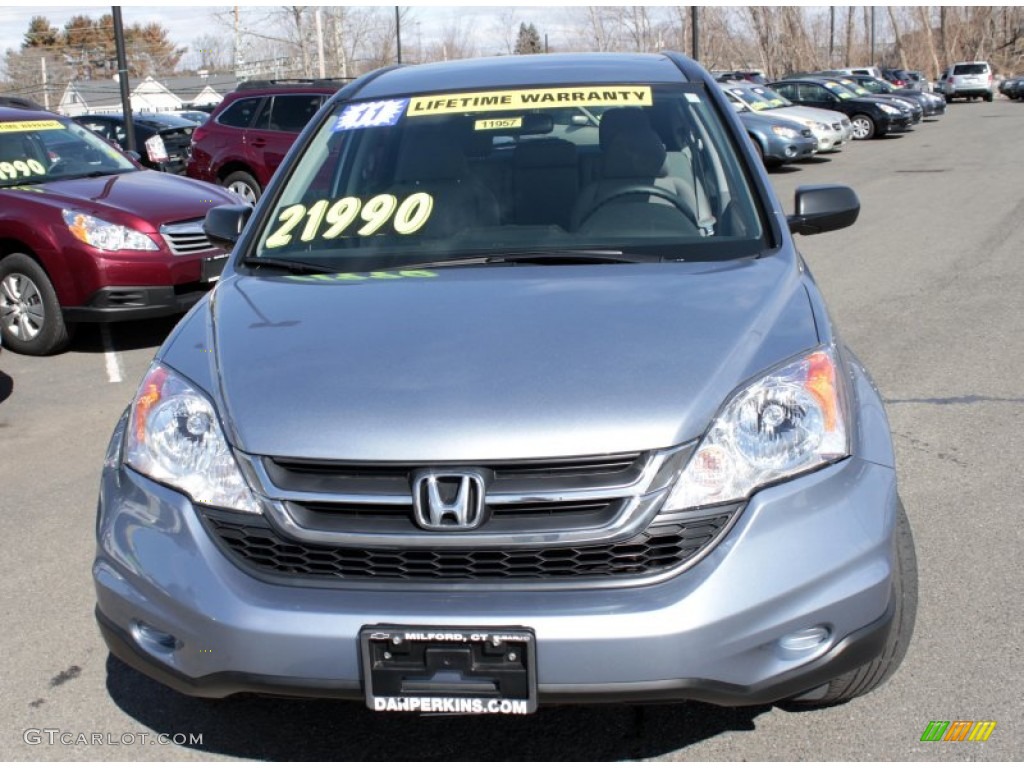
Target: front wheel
{"type": "Point", "coordinates": [244, 185]}
{"type": "Point", "coordinates": [904, 586]}
{"type": "Point", "coordinates": [988, 97]}
{"type": "Point", "coordinates": [30, 317]}
{"type": "Point", "coordinates": [863, 127]}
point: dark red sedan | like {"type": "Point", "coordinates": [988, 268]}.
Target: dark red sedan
{"type": "Point", "coordinates": [88, 235]}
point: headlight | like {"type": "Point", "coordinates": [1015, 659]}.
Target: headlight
{"type": "Point", "coordinates": [174, 437]}
{"type": "Point", "coordinates": [788, 422]}
{"type": "Point", "coordinates": [822, 127]}
{"type": "Point", "coordinates": [106, 236]}
{"type": "Point", "coordinates": [784, 132]}
{"type": "Point", "coordinates": [889, 110]}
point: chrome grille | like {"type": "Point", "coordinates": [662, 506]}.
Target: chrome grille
{"type": "Point", "coordinates": [186, 237]}
{"type": "Point", "coordinates": [578, 518]}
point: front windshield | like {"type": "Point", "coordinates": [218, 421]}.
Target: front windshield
{"type": "Point", "coordinates": [612, 168]}
{"type": "Point", "coordinates": [761, 98]}
{"type": "Point", "coordinates": [839, 90]}
{"type": "Point", "coordinates": [857, 89]}
{"type": "Point", "coordinates": [37, 151]}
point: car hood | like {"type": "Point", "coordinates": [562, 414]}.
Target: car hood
{"type": "Point", "coordinates": [497, 362]}
{"type": "Point", "coordinates": [761, 120]}
{"type": "Point", "coordinates": [826, 116]}
{"type": "Point", "coordinates": [153, 197]}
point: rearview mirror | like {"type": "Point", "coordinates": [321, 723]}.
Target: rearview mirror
{"type": "Point", "coordinates": [225, 223]}
{"type": "Point", "coordinates": [823, 208]}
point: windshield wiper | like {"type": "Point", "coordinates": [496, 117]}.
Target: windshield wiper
{"type": "Point", "coordinates": [295, 267]}
{"type": "Point", "coordinates": [539, 257]}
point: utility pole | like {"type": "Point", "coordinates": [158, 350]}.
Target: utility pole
{"type": "Point", "coordinates": [122, 79]}
{"type": "Point", "coordinates": [320, 44]}
{"type": "Point", "coordinates": [872, 35]}
{"type": "Point", "coordinates": [831, 34]}
{"type": "Point", "coordinates": [238, 44]}
{"type": "Point", "coordinates": [695, 30]}
{"type": "Point", "coordinates": [46, 91]}
{"type": "Point", "coordinates": [398, 33]}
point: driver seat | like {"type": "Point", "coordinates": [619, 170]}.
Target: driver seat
{"type": "Point", "coordinates": [633, 158]}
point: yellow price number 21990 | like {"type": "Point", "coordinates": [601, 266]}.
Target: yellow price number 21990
{"type": "Point", "coordinates": [329, 220]}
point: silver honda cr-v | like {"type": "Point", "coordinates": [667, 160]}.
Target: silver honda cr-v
{"type": "Point", "coordinates": [515, 391]}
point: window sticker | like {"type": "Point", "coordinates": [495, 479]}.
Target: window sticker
{"type": "Point", "coordinates": [693, 98]}
{"type": "Point", "coordinates": [15, 168]}
{"type": "Point", "coordinates": [22, 126]}
{"type": "Point", "coordinates": [534, 98]}
{"type": "Point", "coordinates": [370, 114]}
{"type": "Point", "coordinates": [326, 220]}
{"type": "Point", "coordinates": [498, 124]}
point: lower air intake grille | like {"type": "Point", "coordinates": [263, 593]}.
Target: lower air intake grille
{"type": "Point", "coordinates": [664, 546]}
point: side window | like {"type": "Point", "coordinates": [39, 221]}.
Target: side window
{"type": "Point", "coordinates": [291, 113]}
{"type": "Point", "coordinates": [239, 114]}
{"type": "Point", "coordinates": [789, 91]}
{"type": "Point", "coordinates": [98, 127]}
{"type": "Point", "coordinates": [810, 92]}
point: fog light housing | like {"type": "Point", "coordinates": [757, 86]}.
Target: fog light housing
{"type": "Point", "coordinates": [153, 639]}
{"type": "Point", "coordinates": [806, 640]}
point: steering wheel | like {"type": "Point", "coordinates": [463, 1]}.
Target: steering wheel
{"type": "Point", "coordinates": [641, 189]}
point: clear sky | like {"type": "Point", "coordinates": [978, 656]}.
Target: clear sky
{"type": "Point", "coordinates": [186, 21]}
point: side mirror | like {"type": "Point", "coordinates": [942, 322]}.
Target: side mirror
{"type": "Point", "coordinates": [823, 208]}
{"type": "Point", "coordinates": [225, 223]}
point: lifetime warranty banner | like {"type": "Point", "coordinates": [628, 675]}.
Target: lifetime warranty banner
{"type": "Point", "coordinates": [533, 98]}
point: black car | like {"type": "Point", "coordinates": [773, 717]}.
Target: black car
{"type": "Point", "coordinates": [163, 141]}
{"type": "Point", "coordinates": [916, 109]}
{"type": "Point", "coordinates": [871, 117]}
{"type": "Point", "coordinates": [1012, 87]}
{"type": "Point", "coordinates": [932, 105]}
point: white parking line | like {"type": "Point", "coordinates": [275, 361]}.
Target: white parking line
{"type": "Point", "coordinates": [115, 374]}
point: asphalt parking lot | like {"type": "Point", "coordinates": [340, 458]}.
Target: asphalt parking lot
{"type": "Point", "coordinates": [927, 289]}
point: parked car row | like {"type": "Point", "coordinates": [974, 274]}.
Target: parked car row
{"type": "Point", "coordinates": [825, 111]}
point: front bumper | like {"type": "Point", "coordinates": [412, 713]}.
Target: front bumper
{"type": "Point", "coordinates": [788, 150]}
{"type": "Point", "coordinates": [814, 551]}
{"type": "Point", "coordinates": [113, 304]}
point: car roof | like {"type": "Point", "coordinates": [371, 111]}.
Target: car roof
{"type": "Point", "coordinates": [536, 70]}
{"type": "Point", "coordinates": [17, 113]}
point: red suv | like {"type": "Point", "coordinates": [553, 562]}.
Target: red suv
{"type": "Point", "coordinates": [87, 234]}
{"type": "Point", "coordinates": [251, 131]}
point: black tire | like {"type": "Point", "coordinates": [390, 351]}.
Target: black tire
{"type": "Point", "coordinates": [870, 676]}
{"type": "Point", "coordinates": [863, 127]}
{"type": "Point", "coordinates": [244, 185]}
{"type": "Point", "coordinates": [988, 97]}
{"type": "Point", "coordinates": [31, 321]}
{"type": "Point", "coordinates": [949, 99]}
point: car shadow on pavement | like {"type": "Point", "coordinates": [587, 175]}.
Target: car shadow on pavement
{"type": "Point", "coordinates": [124, 336]}
{"type": "Point", "coordinates": [298, 729]}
